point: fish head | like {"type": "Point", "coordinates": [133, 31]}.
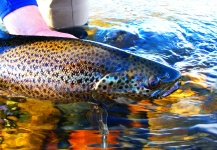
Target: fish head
{"type": "Point", "coordinates": [139, 82]}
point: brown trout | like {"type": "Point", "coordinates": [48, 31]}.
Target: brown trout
{"type": "Point", "coordinates": [70, 70]}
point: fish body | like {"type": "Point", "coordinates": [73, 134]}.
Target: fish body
{"type": "Point", "coordinates": [69, 70]}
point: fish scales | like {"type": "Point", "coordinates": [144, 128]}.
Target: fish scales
{"type": "Point", "coordinates": [68, 70]}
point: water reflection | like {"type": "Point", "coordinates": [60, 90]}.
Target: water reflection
{"type": "Point", "coordinates": [79, 139]}
{"type": "Point", "coordinates": [179, 33]}
{"type": "Point", "coordinates": [33, 123]}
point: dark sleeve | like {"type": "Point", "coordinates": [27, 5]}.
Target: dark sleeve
{"type": "Point", "coordinates": [7, 6]}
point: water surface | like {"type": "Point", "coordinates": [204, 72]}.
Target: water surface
{"type": "Point", "coordinates": [182, 34]}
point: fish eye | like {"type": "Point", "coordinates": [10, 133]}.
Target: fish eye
{"type": "Point", "coordinates": [153, 82]}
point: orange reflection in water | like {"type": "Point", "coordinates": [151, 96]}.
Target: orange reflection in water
{"type": "Point", "coordinates": [83, 139]}
{"type": "Point", "coordinates": [198, 80]}
{"type": "Point", "coordinates": [35, 119]}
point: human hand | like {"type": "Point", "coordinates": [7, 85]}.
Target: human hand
{"type": "Point", "coordinates": [50, 32]}
{"type": "Point", "coordinates": [28, 21]}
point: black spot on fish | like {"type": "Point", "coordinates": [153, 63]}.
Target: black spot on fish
{"type": "Point", "coordinates": [82, 71]}
{"type": "Point", "coordinates": [90, 68]}
{"type": "Point", "coordinates": [104, 87]}
{"type": "Point", "coordinates": [72, 84]}
{"type": "Point", "coordinates": [17, 88]}
{"type": "Point", "coordinates": [111, 83]}
{"type": "Point", "coordinates": [86, 74]}
{"type": "Point", "coordinates": [92, 79]}
{"type": "Point", "coordinates": [97, 80]}
{"type": "Point", "coordinates": [79, 81]}
{"type": "Point", "coordinates": [86, 80]}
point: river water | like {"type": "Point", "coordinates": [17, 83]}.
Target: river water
{"type": "Point", "coordinates": [182, 34]}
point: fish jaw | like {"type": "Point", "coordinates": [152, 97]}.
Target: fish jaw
{"type": "Point", "coordinates": [172, 89]}
{"type": "Point", "coordinates": [166, 92]}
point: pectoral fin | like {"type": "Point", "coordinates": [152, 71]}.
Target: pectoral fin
{"type": "Point", "coordinates": [98, 118]}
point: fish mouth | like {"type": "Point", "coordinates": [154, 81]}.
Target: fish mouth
{"type": "Point", "coordinates": [172, 89]}
{"type": "Point", "coordinates": [166, 92]}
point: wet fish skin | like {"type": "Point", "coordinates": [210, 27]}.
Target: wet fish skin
{"type": "Point", "coordinates": [68, 70]}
